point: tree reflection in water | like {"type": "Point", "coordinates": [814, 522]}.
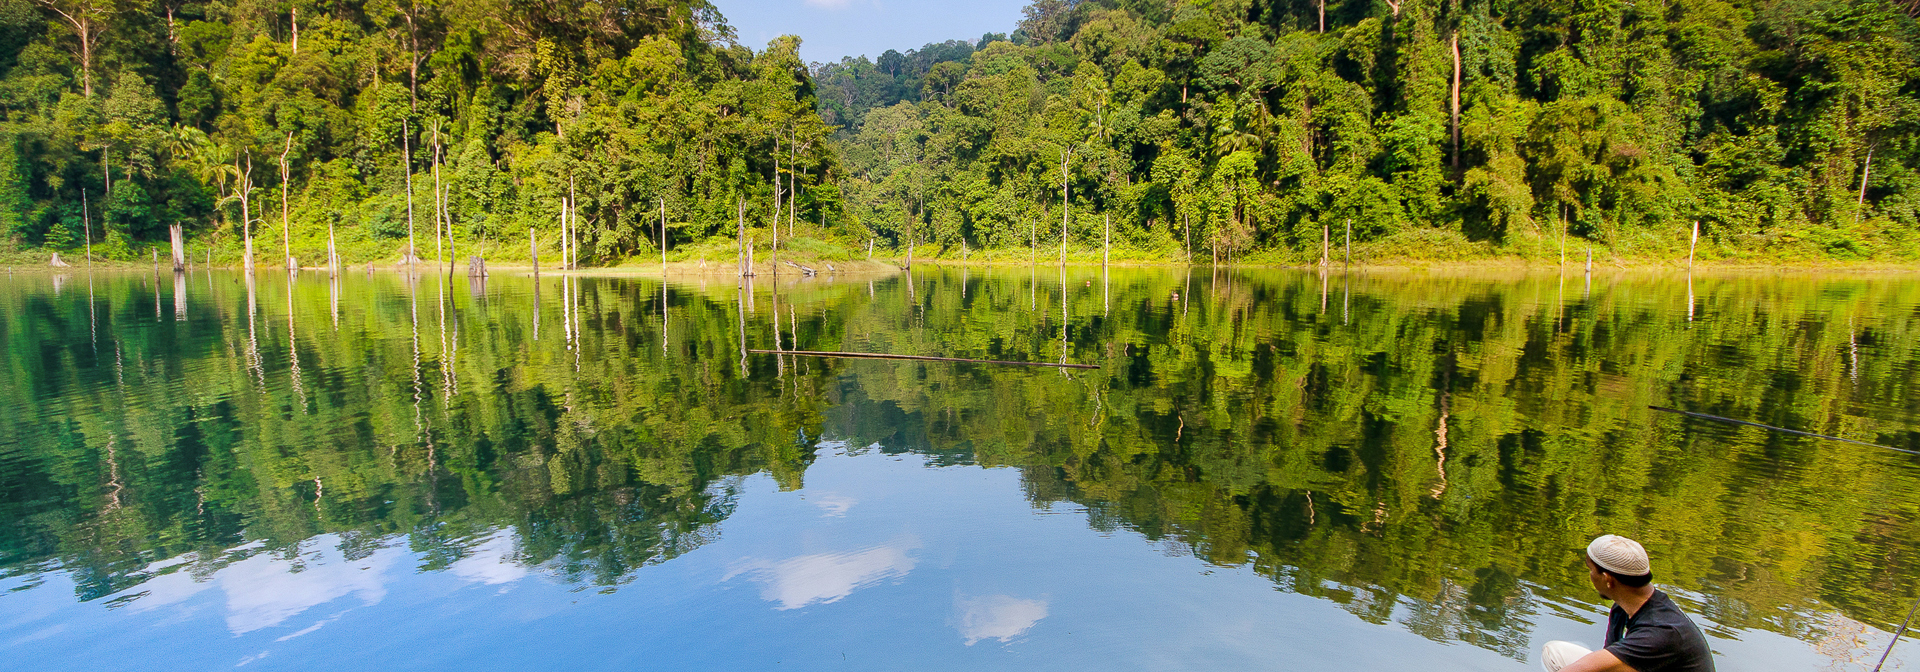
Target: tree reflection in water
{"type": "Point", "coordinates": [1426, 455]}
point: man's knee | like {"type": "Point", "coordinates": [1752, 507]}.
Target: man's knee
{"type": "Point", "coordinates": [1557, 654]}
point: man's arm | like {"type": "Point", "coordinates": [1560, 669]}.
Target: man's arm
{"type": "Point", "coordinates": [1598, 661]}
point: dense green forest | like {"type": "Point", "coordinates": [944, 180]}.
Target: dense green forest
{"type": "Point", "coordinates": [1177, 130]}
{"type": "Point", "coordinates": [381, 122]}
{"type": "Point", "coordinates": [1420, 450]}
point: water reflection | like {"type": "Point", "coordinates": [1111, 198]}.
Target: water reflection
{"type": "Point", "coordinates": [1001, 617]}
{"type": "Point", "coordinates": [1422, 459]}
{"type": "Point", "coordinates": [824, 578]}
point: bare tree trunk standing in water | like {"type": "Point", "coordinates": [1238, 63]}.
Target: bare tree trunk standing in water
{"type": "Point", "coordinates": [1860, 206]}
{"type": "Point", "coordinates": [1563, 236]}
{"type": "Point", "coordinates": [1694, 244]}
{"type": "Point", "coordinates": [573, 226]}
{"type": "Point", "coordinates": [1456, 103]}
{"type": "Point", "coordinates": [175, 235]}
{"type": "Point", "coordinates": [1064, 207]}
{"type": "Point", "coordinates": [439, 207]}
{"type": "Point", "coordinates": [406, 166]}
{"type": "Point", "coordinates": [446, 212]}
{"type": "Point", "coordinates": [86, 223]}
{"type": "Point", "coordinates": [286, 235]}
{"type": "Point", "coordinates": [777, 194]}
{"type": "Point", "coordinates": [793, 182]}
{"type": "Point", "coordinates": [246, 213]}
{"type": "Point", "coordinates": [533, 251]}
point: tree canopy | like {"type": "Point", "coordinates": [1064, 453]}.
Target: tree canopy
{"type": "Point", "coordinates": [1229, 129]}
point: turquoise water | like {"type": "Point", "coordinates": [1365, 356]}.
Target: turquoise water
{"type": "Point", "coordinates": [1269, 470]}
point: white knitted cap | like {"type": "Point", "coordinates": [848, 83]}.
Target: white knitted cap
{"type": "Point", "coordinates": [1619, 555]}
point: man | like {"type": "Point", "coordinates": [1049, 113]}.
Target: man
{"type": "Point", "coordinates": [1645, 631]}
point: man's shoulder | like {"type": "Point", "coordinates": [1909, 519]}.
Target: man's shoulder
{"type": "Point", "coordinates": [1662, 608]}
{"type": "Point", "coordinates": [1661, 638]}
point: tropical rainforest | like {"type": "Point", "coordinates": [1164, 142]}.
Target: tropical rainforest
{"type": "Point", "coordinates": [1202, 130]}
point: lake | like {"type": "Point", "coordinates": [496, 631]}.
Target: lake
{"type": "Point", "coordinates": [1270, 469]}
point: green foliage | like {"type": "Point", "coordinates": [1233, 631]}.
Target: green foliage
{"type": "Point", "coordinates": [1419, 447]}
{"type": "Point", "coordinates": [1785, 129]}
{"type": "Point", "coordinates": [13, 192]}
{"type": "Point", "coordinates": [498, 109]}
{"type": "Point", "coordinates": [1616, 123]}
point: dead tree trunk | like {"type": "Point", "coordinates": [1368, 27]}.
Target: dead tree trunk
{"type": "Point", "coordinates": [286, 235]}
{"type": "Point", "coordinates": [179, 247]}
{"type": "Point", "coordinates": [406, 166]}
{"type": "Point", "coordinates": [1456, 102]}
{"type": "Point", "coordinates": [246, 212]}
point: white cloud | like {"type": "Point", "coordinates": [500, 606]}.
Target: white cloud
{"type": "Point", "coordinates": [834, 505]}
{"type": "Point", "coordinates": [1001, 617]}
{"type": "Point", "coordinates": [316, 626]}
{"type": "Point", "coordinates": [262, 591]}
{"type": "Point", "coordinates": [491, 562]}
{"type": "Point", "coordinates": [826, 577]}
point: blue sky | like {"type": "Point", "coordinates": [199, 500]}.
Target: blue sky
{"type": "Point", "coordinates": [830, 29]}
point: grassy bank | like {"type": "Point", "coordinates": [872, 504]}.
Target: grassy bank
{"type": "Point", "coordinates": [1417, 248]}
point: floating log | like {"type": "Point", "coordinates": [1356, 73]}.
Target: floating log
{"type": "Point", "coordinates": [810, 272]}
{"type": "Point", "coordinates": [921, 358]}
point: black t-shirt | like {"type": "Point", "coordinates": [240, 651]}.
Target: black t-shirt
{"type": "Point", "coordinates": [1658, 638]}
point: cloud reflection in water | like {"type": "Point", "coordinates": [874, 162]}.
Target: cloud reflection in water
{"type": "Point", "coordinates": [826, 577]}
{"type": "Point", "coordinates": [1001, 617]}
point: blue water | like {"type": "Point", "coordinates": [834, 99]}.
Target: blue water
{"type": "Point", "coordinates": [851, 515]}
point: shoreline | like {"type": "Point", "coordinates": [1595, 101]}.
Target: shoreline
{"type": "Point", "coordinates": [14, 263]}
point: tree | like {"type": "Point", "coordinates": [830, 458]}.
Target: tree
{"type": "Point", "coordinates": [88, 19]}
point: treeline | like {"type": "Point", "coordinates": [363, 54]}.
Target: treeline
{"type": "Point", "coordinates": [1222, 129]}
{"type": "Point", "coordinates": [1166, 129]}
{"type": "Point", "coordinates": [394, 124]}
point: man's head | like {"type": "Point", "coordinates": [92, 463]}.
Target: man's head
{"type": "Point", "coordinates": [1617, 566]}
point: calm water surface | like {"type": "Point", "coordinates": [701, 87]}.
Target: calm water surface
{"type": "Point", "coordinates": [1269, 470]}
